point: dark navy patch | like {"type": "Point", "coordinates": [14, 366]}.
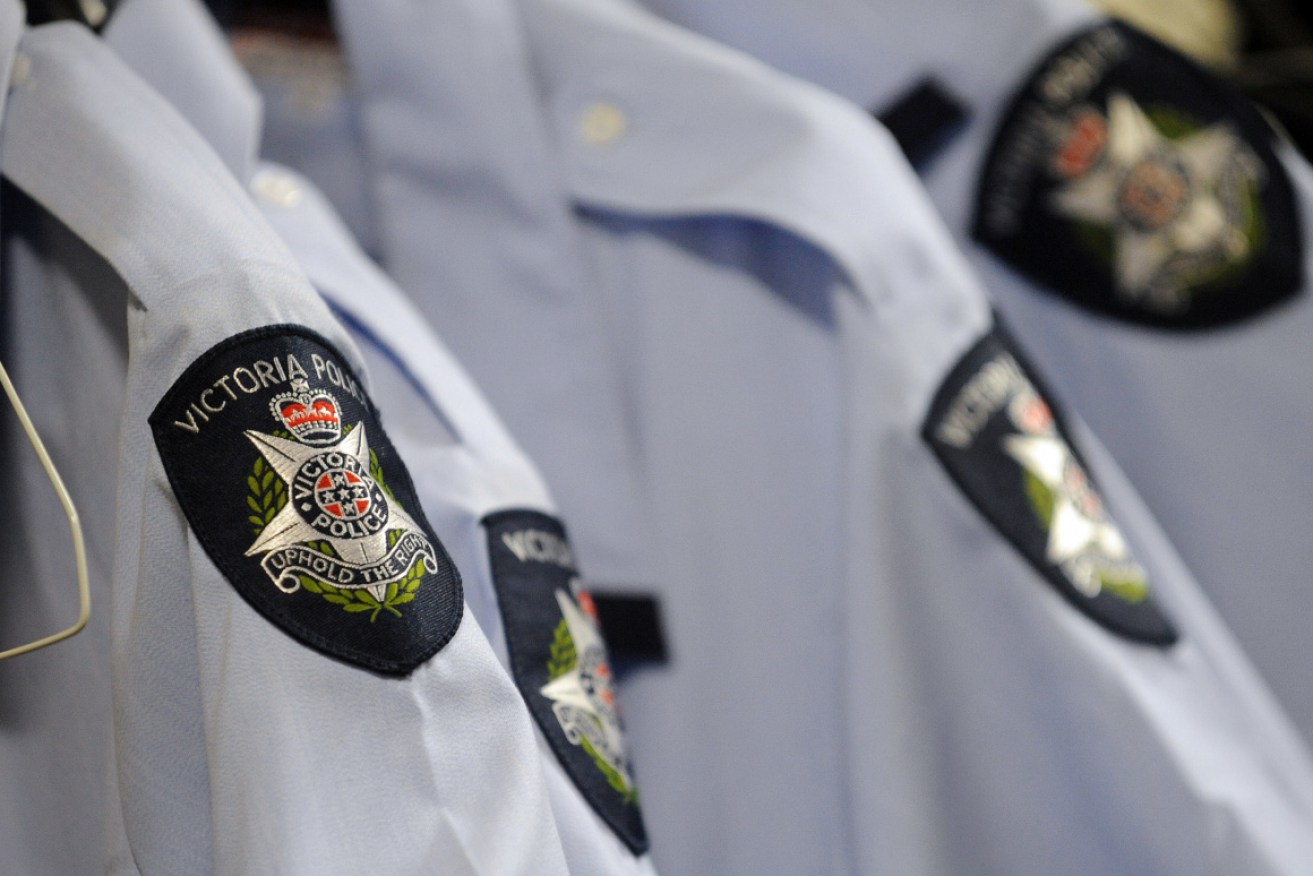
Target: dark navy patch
{"type": "Point", "coordinates": [1134, 183]}
{"type": "Point", "coordinates": [277, 458]}
{"type": "Point", "coordinates": [1006, 448]}
{"type": "Point", "coordinates": [560, 662]}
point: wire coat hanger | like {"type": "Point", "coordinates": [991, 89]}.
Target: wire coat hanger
{"type": "Point", "coordinates": [75, 525]}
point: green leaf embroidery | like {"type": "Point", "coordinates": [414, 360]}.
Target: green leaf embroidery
{"type": "Point", "coordinates": [563, 654]}
{"type": "Point", "coordinates": [1172, 122]}
{"type": "Point", "coordinates": [628, 792]}
{"type": "Point", "coordinates": [1130, 589]}
{"type": "Point", "coordinates": [416, 575]}
{"type": "Point", "coordinates": [376, 472]}
{"type": "Point", "coordinates": [1041, 499]}
{"type": "Point", "coordinates": [324, 548]}
{"type": "Point", "coordinates": [561, 660]}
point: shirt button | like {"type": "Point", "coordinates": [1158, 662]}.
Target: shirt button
{"type": "Point", "coordinates": [276, 188]}
{"type": "Point", "coordinates": [602, 124]}
{"type": "Point", "coordinates": [22, 69]}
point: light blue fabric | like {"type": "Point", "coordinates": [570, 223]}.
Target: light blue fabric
{"type": "Point", "coordinates": [235, 749]}
{"type": "Point", "coordinates": [866, 678]}
{"type": "Point", "coordinates": [53, 742]}
{"type": "Point", "coordinates": [1208, 424]}
{"type": "Point", "coordinates": [303, 86]}
{"type": "Point", "coordinates": [467, 194]}
{"type": "Point", "coordinates": [463, 463]}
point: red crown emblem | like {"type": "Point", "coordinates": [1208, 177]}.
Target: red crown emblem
{"type": "Point", "coordinates": [311, 416]}
{"type": "Point", "coordinates": [1084, 142]}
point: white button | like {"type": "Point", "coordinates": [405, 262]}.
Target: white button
{"type": "Point", "coordinates": [602, 124]}
{"type": "Point", "coordinates": [276, 188]}
{"type": "Point", "coordinates": [94, 11]}
{"type": "Point", "coordinates": [22, 70]}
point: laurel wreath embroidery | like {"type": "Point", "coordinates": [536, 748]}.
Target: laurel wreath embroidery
{"type": "Point", "coordinates": [1129, 589]}
{"type": "Point", "coordinates": [562, 659]}
{"type": "Point", "coordinates": [628, 793]}
{"type": "Point", "coordinates": [268, 495]}
{"type": "Point", "coordinates": [1043, 501]}
{"type": "Point", "coordinates": [563, 656]}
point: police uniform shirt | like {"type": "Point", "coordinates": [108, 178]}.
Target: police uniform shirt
{"type": "Point", "coordinates": [475, 483]}
{"type": "Point", "coordinates": [1198, 395]}
{"type": "Point", "coordinates": [457, 75]}
{"type": "Point", "coordinates": [867, 675]}
{"type": "Point", "coordinates": [469, 474]}
{"type": "Point", "coordinates": [250, 733]}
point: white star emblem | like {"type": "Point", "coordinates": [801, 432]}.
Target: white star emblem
{"type": "Point", "coordinates": [584, 698]}
{"type": "Point", "coordinates": [1162, 199]}
{"type": "Point", "coordinates": [291, 526]}
{"type": "Point", "coordinates": [1078, 528]}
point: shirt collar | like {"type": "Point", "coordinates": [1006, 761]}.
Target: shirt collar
{"type": "Point", "coordinates": [654, 120]}
{"type": "Point", "coordinates": [101, 152]}
{"type": "Point", "coordinates": [178, 49]}
{"type": "Point", "coordinates": [448, 106]}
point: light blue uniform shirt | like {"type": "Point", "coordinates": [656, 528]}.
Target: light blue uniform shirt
{"type": "Point", "coordinates": [866, 676]}
{"type": "Point", "coordinates": [1205, 423]}
{"type": "Point", "coordinates": [464, 464]}
{"type": "Point", "coordinates": [466, 194]}
{"type": "Point", "coordinates": [235, 749]}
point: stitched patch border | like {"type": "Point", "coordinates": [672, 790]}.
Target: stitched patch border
{"type": "Point", "coordinates": [560, 663]}
{"type": "Point", "coordinates": [994, 430]}
{"type": "Point", "coordinates": [1135, 184]}
{"type": "Point", "coordinates": [279, 461]}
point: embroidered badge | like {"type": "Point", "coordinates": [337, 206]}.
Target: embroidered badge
{"type": "Point", "coordinates": [559, 660]}
{"type": "Point", "coordinates": [1002, 443]}
{"type": "Point", "coordinates": [1132, 182]}
{"type": "Point", "coordinates": [278, 460]}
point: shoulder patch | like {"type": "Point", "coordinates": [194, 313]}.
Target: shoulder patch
{"type": "Point", "coordinates": [560, 663]}
{"type": "Point", "coordinates": [995, 432]}
{"type": "Point", "coordinates": [1134, 183]}
{"type": "Point", "coordinates": [279, 462]}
